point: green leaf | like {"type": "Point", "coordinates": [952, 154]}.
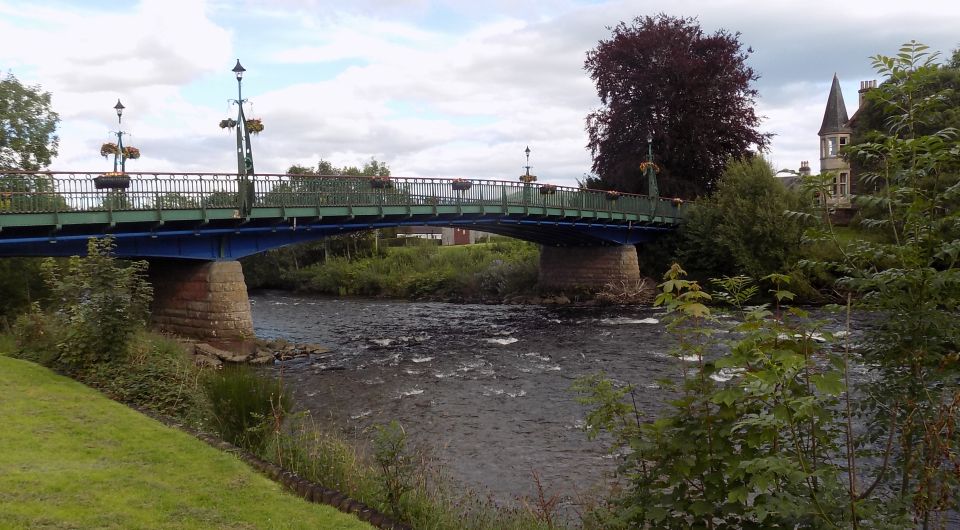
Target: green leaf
{"type": "Point", "coordinates": [696, 310]}
{"type": "Point", "coordinates": [829, 383]}
{"type": "Point", "coordinates": [738, 495]}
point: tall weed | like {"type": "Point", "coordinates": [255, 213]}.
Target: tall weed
{"type": "Point", "coordinates": [245, 406]}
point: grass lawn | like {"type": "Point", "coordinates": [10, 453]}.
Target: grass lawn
{"type": "Point", "coordinates": [71, 458]}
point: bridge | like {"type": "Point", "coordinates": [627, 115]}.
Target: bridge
{"type": "Point", "coordinates": [193, 226]}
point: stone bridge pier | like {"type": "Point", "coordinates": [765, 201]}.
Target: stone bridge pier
{"type": "Point", "coordinates": [205, 300]}
{"type": "Point", "coordinates": [587, 268]}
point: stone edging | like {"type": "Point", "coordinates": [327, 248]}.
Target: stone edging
{"type": "Point", "coordinates": [302, 487]}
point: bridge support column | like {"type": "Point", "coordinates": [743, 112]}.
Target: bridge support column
{"type": "Point", "coordinates": [587, 268]}
{"type": "Point", "coordinates": [203, 300]}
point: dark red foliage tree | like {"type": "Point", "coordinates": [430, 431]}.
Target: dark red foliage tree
{"type": "Point", "coordinates": [691, 92]}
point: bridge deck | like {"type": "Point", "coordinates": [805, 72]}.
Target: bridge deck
{"type": "Point", "coordinates": [265, 211]}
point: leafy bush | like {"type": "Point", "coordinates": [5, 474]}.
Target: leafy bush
{"type": "Point", "coordinates": [102, 301]}
{"type": "Point", "coordinates": [741, 229]}
{"type": "Point", "coordinates": [246, 407]}
{"type": "Point", "coordinates": [37, 336]}
{"type": "Point", "coordinates": [395, 462]}
{"type": "Point", "coordinates": [756, 437]}
{"type": "Point", "coordinates": [20, 284]}
{"type": "Point", "coordinates": [158, 374]}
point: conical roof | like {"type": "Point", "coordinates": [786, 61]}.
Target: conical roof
{"type": "Point", "coordinates": [835, 118]}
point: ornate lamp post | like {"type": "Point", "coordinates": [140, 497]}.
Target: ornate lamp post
{"type": "Point", "coordinates": [651, 169]}
{"type": "Point", "coordinates": [119, 154]}
{"type": "Point", "coordinates": [117, 179]}
{"type": "Point", "coordinates": [244, 147]}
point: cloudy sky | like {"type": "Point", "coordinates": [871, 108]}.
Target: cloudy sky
{"type": "Point", "coordinates": [434, 88]}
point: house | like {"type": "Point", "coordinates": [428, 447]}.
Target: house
{"type": "Point", "coordinates": [835, 133]}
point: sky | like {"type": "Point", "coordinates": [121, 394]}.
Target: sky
{"type": "Point", "coordinates": [444, 88]}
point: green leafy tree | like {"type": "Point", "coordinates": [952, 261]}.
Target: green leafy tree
{"type": "Point", "coordinates": [101, 301]}
{"type": "Point", "coordinates": [28, 141]}
{"type": "Point", "coordinates": [27, 126]}
{"type": "Point", "coordinates": [740, 228]}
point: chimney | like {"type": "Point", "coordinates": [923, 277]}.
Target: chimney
{"type": "Point", "coordinates": [866, 86]}
{"type": "Point", "coordinates": [805, 168]}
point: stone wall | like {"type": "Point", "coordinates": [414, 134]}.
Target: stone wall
{"type": "Point", "coordinates": [201, 299]}
{"type": "Point", "coordinates": [588, 268]}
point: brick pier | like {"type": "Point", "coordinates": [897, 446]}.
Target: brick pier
{"type": "Point", "coordinates": [587, 268]}
{"type": "Point", "coordinates": [201, 299]}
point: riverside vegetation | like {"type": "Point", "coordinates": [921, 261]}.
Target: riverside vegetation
{"type": "Point", "coordinates": [494, 270]}
{"type": "Point", "coordinates": [791, 440]}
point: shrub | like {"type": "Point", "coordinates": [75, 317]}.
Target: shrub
{"type": "Point", "coordinates": [36, 336]}
{"type": "Point", "coordinates": [741, 228]}
{"type": "Point", "coordinates": [245, 406]}
{"type": "Point", "coordinates": [395, 462]}
{"type": "Point", "coordinates": [102, 301]}
{"type": "Point", "coordinates": [157, 375]}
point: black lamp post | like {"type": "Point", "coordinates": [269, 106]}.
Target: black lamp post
{"type": "Point", "coordinates": [652, 189]}
{"type": "Point", "coordinates": [119, 154]}
{"type": "Point", "coordinates": [527, 151]}
{"type": "Point", "coordinates": [244, 148]}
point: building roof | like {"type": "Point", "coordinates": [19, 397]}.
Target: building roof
{"type": "Point", "coordinates": [835, 118]}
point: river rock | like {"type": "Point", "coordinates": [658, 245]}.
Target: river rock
{"type": "Point", "coordinates": [313, 349]}
{"type": "Point", "coordinates": [204, 349]}
{"type": "Point", "coordinates": [262, 356]}
{"type": "Point", "coordinates": [205, 361]}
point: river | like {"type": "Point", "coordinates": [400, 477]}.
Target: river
{"type": "Point", "coordinates": [485, 387]}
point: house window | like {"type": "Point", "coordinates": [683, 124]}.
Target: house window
{"type": "Point", "coordinates": [832, 146]}
{"type": "Point", "coordinates": [843, 141]}
{"type": "Point", "coordinates": [843, 184]}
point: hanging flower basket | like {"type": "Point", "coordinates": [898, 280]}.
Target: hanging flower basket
{"type": "Point", "coordinates": [108, 149]}
{"type": "Point", "coordinates": [548, 189]}
{"type": "Point", "coordinates": [228, 123]}
{"type": "Point", "coordinates": [255, 126]}
{"type": "Point", "coordinates": [131, 153]}
{"type": "Point", "coordinates": [647, 165]}
{"type": "Point", "coordinates": [613, 195]}
{"type": "Point", "coordinates": [677, 201]}
{"type": "Point", "coordinates": [527, 179]}
{"type": "Point", "coordinates": [112, 181]}
{"type": "Point", "coordinates": [380, 182]}
{"type": "Point", "coordinates": [461, 185]}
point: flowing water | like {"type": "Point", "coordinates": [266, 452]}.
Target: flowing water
{"type": "Point", "coordinates": [487, 387]}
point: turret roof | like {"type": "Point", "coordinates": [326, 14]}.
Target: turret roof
{"type": "Point", "coordinates": [835, 118]}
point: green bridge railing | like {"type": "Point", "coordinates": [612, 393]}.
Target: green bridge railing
{"type": "Point", "coordinates": [45, 192]}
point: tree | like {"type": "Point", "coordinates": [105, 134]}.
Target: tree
{"type": "Point", "coordinates": [27, 126]}
{"type": "Point", "coordinates": [740, 229]}
{"type": "Point", "coordinates": [690, 91]}
{"type": "Point", "coordinates": [27, 142]}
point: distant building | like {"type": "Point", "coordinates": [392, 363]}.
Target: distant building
{"type": "Point", "coordinates": [421, 232]}
{"type": "Point", "coordinates": [835, 133]}
{"type": "Point", "coordinates": [462, 236]}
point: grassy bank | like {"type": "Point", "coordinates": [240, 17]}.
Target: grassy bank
{"type": "Point", "coordinates": [72, 458]}
{"type": "Point", "coordinates": [481, 271]}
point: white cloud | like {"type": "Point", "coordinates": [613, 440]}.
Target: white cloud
{"type": "Point", "coordinates": [460, 93]}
